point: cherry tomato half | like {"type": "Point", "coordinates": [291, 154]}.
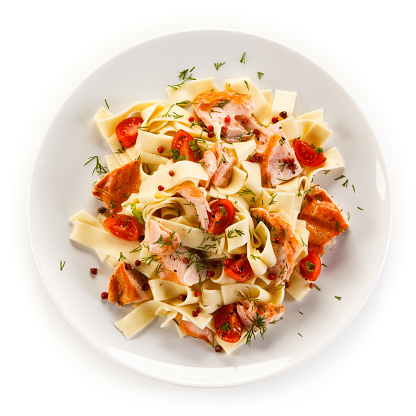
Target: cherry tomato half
{"type": "Point", "coordinates": [222, 216]}
{"type": "Point", "coordinates": [310, 266]}
{"type": "Point", "coordinates": [239, 269]}
{"type": "Point", "coordinates": [124, 226]}
{"type": "Point", "coordinates": [127, 131]}
{"type": "Point", "coordinates": [228, 325]}
{"type": "Point", "coordinates": [185, 147]}
{"type": "Point", "coordinates": [308, 154]}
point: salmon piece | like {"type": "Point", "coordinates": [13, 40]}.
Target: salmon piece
{"type": "Point", "coordinates": [210, 164]}
{"type": "Point", "coordinates": [197, 197]}
{"type": "Point", "coordinates": [225, 163]}
{"type": "Point", "coordinates": [257, 313]}
{"type": "Point", "coordinates": [279, 163]}
{"type": "Point", "coordinates": [194, 331]}
{"type": "Point", "coordinates": [162, 240]}
{"type": "Point", "coordinates": [126, 286]}
{"type": "Point", "coordinates": [115, 187]}
{"type": "Point", "coordinates": [324, 219]}
{"type": "Point", "coordinates": [218, 165]}
{"type": "Point", "coordinates": [284, 243]}
{"type": "Point", "coordinates": [183, 267]}
{"type": "Point", "coordinates": [212, 107]}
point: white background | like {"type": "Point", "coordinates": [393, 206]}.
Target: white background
{"type": "Point", "coordinates": [48, 48]}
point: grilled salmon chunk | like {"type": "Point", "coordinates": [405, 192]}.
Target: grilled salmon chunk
{"type": "Point", "coordinates": [218, 165]}
{"type": "Point", "coordinates": [279, 163]}
{"type": "Point", "coordinates": [196, 196]}
{"type": "Point", "coordinates": [262, 313]}
{"type": "Point", "coordinates": [161, 240]}
{"type": "Point", "coordinates": [183, 267]}
{"type": "Point", "coordinates": [115, 187]}
{"type": "Point", "coordinates": [194, 331]}
{"type": "Point", "coordinates": [126, 285]}
{"type": "Point", "coordinates": [324, 219]}
{"type": "Point", "coordinates": [227, 108]}
{"type": "Point", "coordinates": [284, 243]}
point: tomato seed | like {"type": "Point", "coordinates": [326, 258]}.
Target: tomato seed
{"type": "Point", "coordinates": [104, 295]}
{"type": "Point", "coordinates": [93, 270]}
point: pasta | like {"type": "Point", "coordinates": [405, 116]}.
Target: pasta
{"type": "Point", "coordinates": [216, 233]}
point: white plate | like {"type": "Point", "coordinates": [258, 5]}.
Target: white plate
{"type": "Point", "coordinates": [61, 186]}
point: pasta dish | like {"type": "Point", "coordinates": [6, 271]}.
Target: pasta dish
{"type": "Point", "coordinates": [210, 214]}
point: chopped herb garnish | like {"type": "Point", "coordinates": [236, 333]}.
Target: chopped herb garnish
{"type": "Point", "coordinates": [340, 177]}
{"type": "Point", "coordinates": [62, 264]}
{"type": "Point", "coordinates": [106, 103]}
{"type": "Point", "coordinates": [99, 168]}
{"type": "Point", "coordinates": [345, 183]}
{"type": "Point", "coordinates": [218, 65]}
{"type": "Point", "coordinates": [260, 74]}
{"type": "Point", "coordinates": [362, 209]}
{"type": "Point", "coordinates": [243, 58]}
{"type": "Point", "coordinates": [338, 297]}
{"type": "Point", "coordinates": [245, 82]}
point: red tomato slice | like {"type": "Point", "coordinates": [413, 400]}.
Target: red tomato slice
{"type": "Point", "coordinates": [307, 154]}
{"type": "Point", "coordinates": [124, 226]}
{"type": "Point", "coordinates": [185, 147]}
{"type": "Point", "coordinates": [240, 270]}
{"type": "Point", "coordinates": [228, 325]}
{"type": "Point", "coordinates": [127, 131]}
{"type": "Point", "coordinates": [222, 216]}
{"type": "Point", "coordinates": [310, 266]}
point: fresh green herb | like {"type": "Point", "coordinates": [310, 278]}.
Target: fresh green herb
{"type": "Point", "coordinates": [340, 177]}
{"type": "Point", "coordinates": [106, 103]}
{"type": "Point", "coordinates": [225, 327]}
{"type": "Point", "coordinates": [62, 265]}
{"type": "Point", "coordinates": [245, 82]}
{"type": "Point", "coordinates": [272, 200]}
{"type": "Point", "coordinates": [243, 58]}
{"type": "Point", "coordinates": [99, 168]}
{"type": "Point", "coordinates": [317, 149]}
{"type": "Point", "coordinates": [300, 312]}
{"type": "Point", "coordinates": [362, 209]}
{"type": "Point", "coordinates": [300, 335]}
{"type": "Point", "coordinates": [345, 183]}
{"type": "Point", "coordinates": [338, 297]}
{"type": "Point", "coordinates": [260, 74]}
{"type": "Point", "coordinates": [238, 233]}
{"type": "Point", "coordinates": [218, 65]}
{"type": "Point", "coordinates": [353, 187]}
{"type": "Point", "coordinates": [183, 75]}
{"type": "Point", "coordinates": [246, 192]}
{"type": "Point", "coordinates": [222, 103]}
{"type": "Point", "coordinates": [121, 257]}
{"type": "Point", "coordinates": [317, 287]}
